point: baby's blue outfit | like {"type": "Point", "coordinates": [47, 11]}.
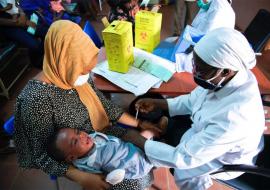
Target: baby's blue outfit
{"type": "Point", "coordinates": [110, 153]}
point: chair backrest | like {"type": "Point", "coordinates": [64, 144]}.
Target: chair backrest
{"type": "Point", "coordinates": [255, 177]}
{"type": "Point", "coordinates": [88, 29]}
{"type": "Point", "coordinates": [245, 168]}
{"type": "Point", "coordinates": [9, 126]}
{"type": "Point", "coordinates": [258, 31]}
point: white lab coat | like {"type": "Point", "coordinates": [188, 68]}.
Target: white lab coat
{"type": "Point", "coordinates": [227, 129]}
{"type": "Point", "coordinates": [219, 14]}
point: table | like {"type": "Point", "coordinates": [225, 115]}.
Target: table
{"type": "Point", "coordinates": [182, 83]}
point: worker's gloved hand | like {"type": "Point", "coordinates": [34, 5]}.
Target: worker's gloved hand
{"type": "Point", "coordinates": [145, 125]}
{"type": "Point", "coordinates": [145, 105]}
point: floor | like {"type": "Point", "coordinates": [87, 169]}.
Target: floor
{"type": "Point", "coordinates": [14, 178]}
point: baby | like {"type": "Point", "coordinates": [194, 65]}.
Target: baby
{"type": "Point", "coordinates": [100, 153]}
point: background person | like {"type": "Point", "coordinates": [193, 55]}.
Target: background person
{"type": "Point", "coordinates": [214, 14]}
{"type": "Point", "coordinates": [184, 12]}
{"type": "Point", "coordinates": [15, 29]}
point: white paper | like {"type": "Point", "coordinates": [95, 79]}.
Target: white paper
{"type": "Point", "coordinates": [136, 81]}
{"type": "Point", "coordinates": [184, 62]}
{"type": "Point", "coordinates": [157, 85]}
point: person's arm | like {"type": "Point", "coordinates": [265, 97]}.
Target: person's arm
{"type": "Point", "coordinates": [183, 105]}
{"type": "Point", "coordinates": [197, 148]}
{"type": "Point", "coordinates": [87, 180]}
{"type": "Point", "coordinates": [135, 138]}
{"type": "Point", "coordinates": [116, 114]}
{"type": "Point", "coordinates": [127, 119]}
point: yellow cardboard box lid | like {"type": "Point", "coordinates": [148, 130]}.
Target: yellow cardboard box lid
{"type": "Point", "coordinates": [117, 27]}
{"type": "Point", "coordinates": [151, 20]}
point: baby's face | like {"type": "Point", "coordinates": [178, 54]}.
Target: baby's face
{"type": "Point", "coordinates": [74, 143]}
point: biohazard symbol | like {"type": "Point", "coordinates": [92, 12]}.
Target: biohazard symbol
{"type": "Point", "coordinates": [129, 48]}
{"type": "Point", "coordinates": [144, 36]}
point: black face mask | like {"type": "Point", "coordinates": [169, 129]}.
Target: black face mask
{"type": "Point", "coordinates": [207, 84]}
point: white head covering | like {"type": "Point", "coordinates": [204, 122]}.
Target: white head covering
{"type": "Point", "coordinates": [226, 48]}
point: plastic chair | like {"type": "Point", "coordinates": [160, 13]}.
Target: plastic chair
{"type": "Point", "coordinates": [258, 31]}
{"type": "Point", "coordinates": [9, 129]}
{"type": "Point", "coordinates": [90, 31]}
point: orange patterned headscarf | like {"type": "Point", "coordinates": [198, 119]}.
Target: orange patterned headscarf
{"type": "Point", "coordinates": [68, 51]}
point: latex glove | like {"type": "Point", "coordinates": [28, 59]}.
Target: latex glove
{"type": "Point", "coordinates": [146, 125]}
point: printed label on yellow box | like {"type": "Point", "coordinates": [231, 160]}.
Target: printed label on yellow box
{"type": "Point", "coordinates": [147, 30]}
{"type": "Point", "coordinates": [119, 45]}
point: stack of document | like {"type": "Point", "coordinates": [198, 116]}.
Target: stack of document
{"type": "Point", "coordinates": [150, 72]}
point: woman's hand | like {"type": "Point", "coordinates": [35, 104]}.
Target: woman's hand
{"type": "Point", "coordinates": [89, 181]}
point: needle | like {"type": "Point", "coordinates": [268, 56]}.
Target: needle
{"type": "Point", "coordinates": [137, 112]}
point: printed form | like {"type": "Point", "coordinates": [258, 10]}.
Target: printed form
{"type": "Point", "coordinates": [148, 71]}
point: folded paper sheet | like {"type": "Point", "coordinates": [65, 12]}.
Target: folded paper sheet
{"type": "Point", "coordinates": [136, 80]}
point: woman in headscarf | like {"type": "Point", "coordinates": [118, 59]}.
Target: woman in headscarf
{"type": "Point", "coordinates": [63, 95]}
{"type": "Point", "coordinates": [225, 121]}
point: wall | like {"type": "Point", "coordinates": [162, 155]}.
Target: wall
{"type": "Point", "coordinates": [246, 10]}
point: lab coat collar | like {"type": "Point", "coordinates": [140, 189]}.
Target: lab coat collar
{"type": "Point", "coordinates": [239, 79]}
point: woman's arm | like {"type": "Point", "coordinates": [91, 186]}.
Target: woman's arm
{"type": "Point", "coordinates": [127, 119]}
{"type": "Point", "coordinates": [87, 180]}
{"type": "Point", "coordinates": [116, 114]}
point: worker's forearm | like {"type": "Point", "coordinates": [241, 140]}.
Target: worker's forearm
{"type": "Point", "coordinates": [135, 138]}
{"type": "Point", "coordinates": [162, 104]}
